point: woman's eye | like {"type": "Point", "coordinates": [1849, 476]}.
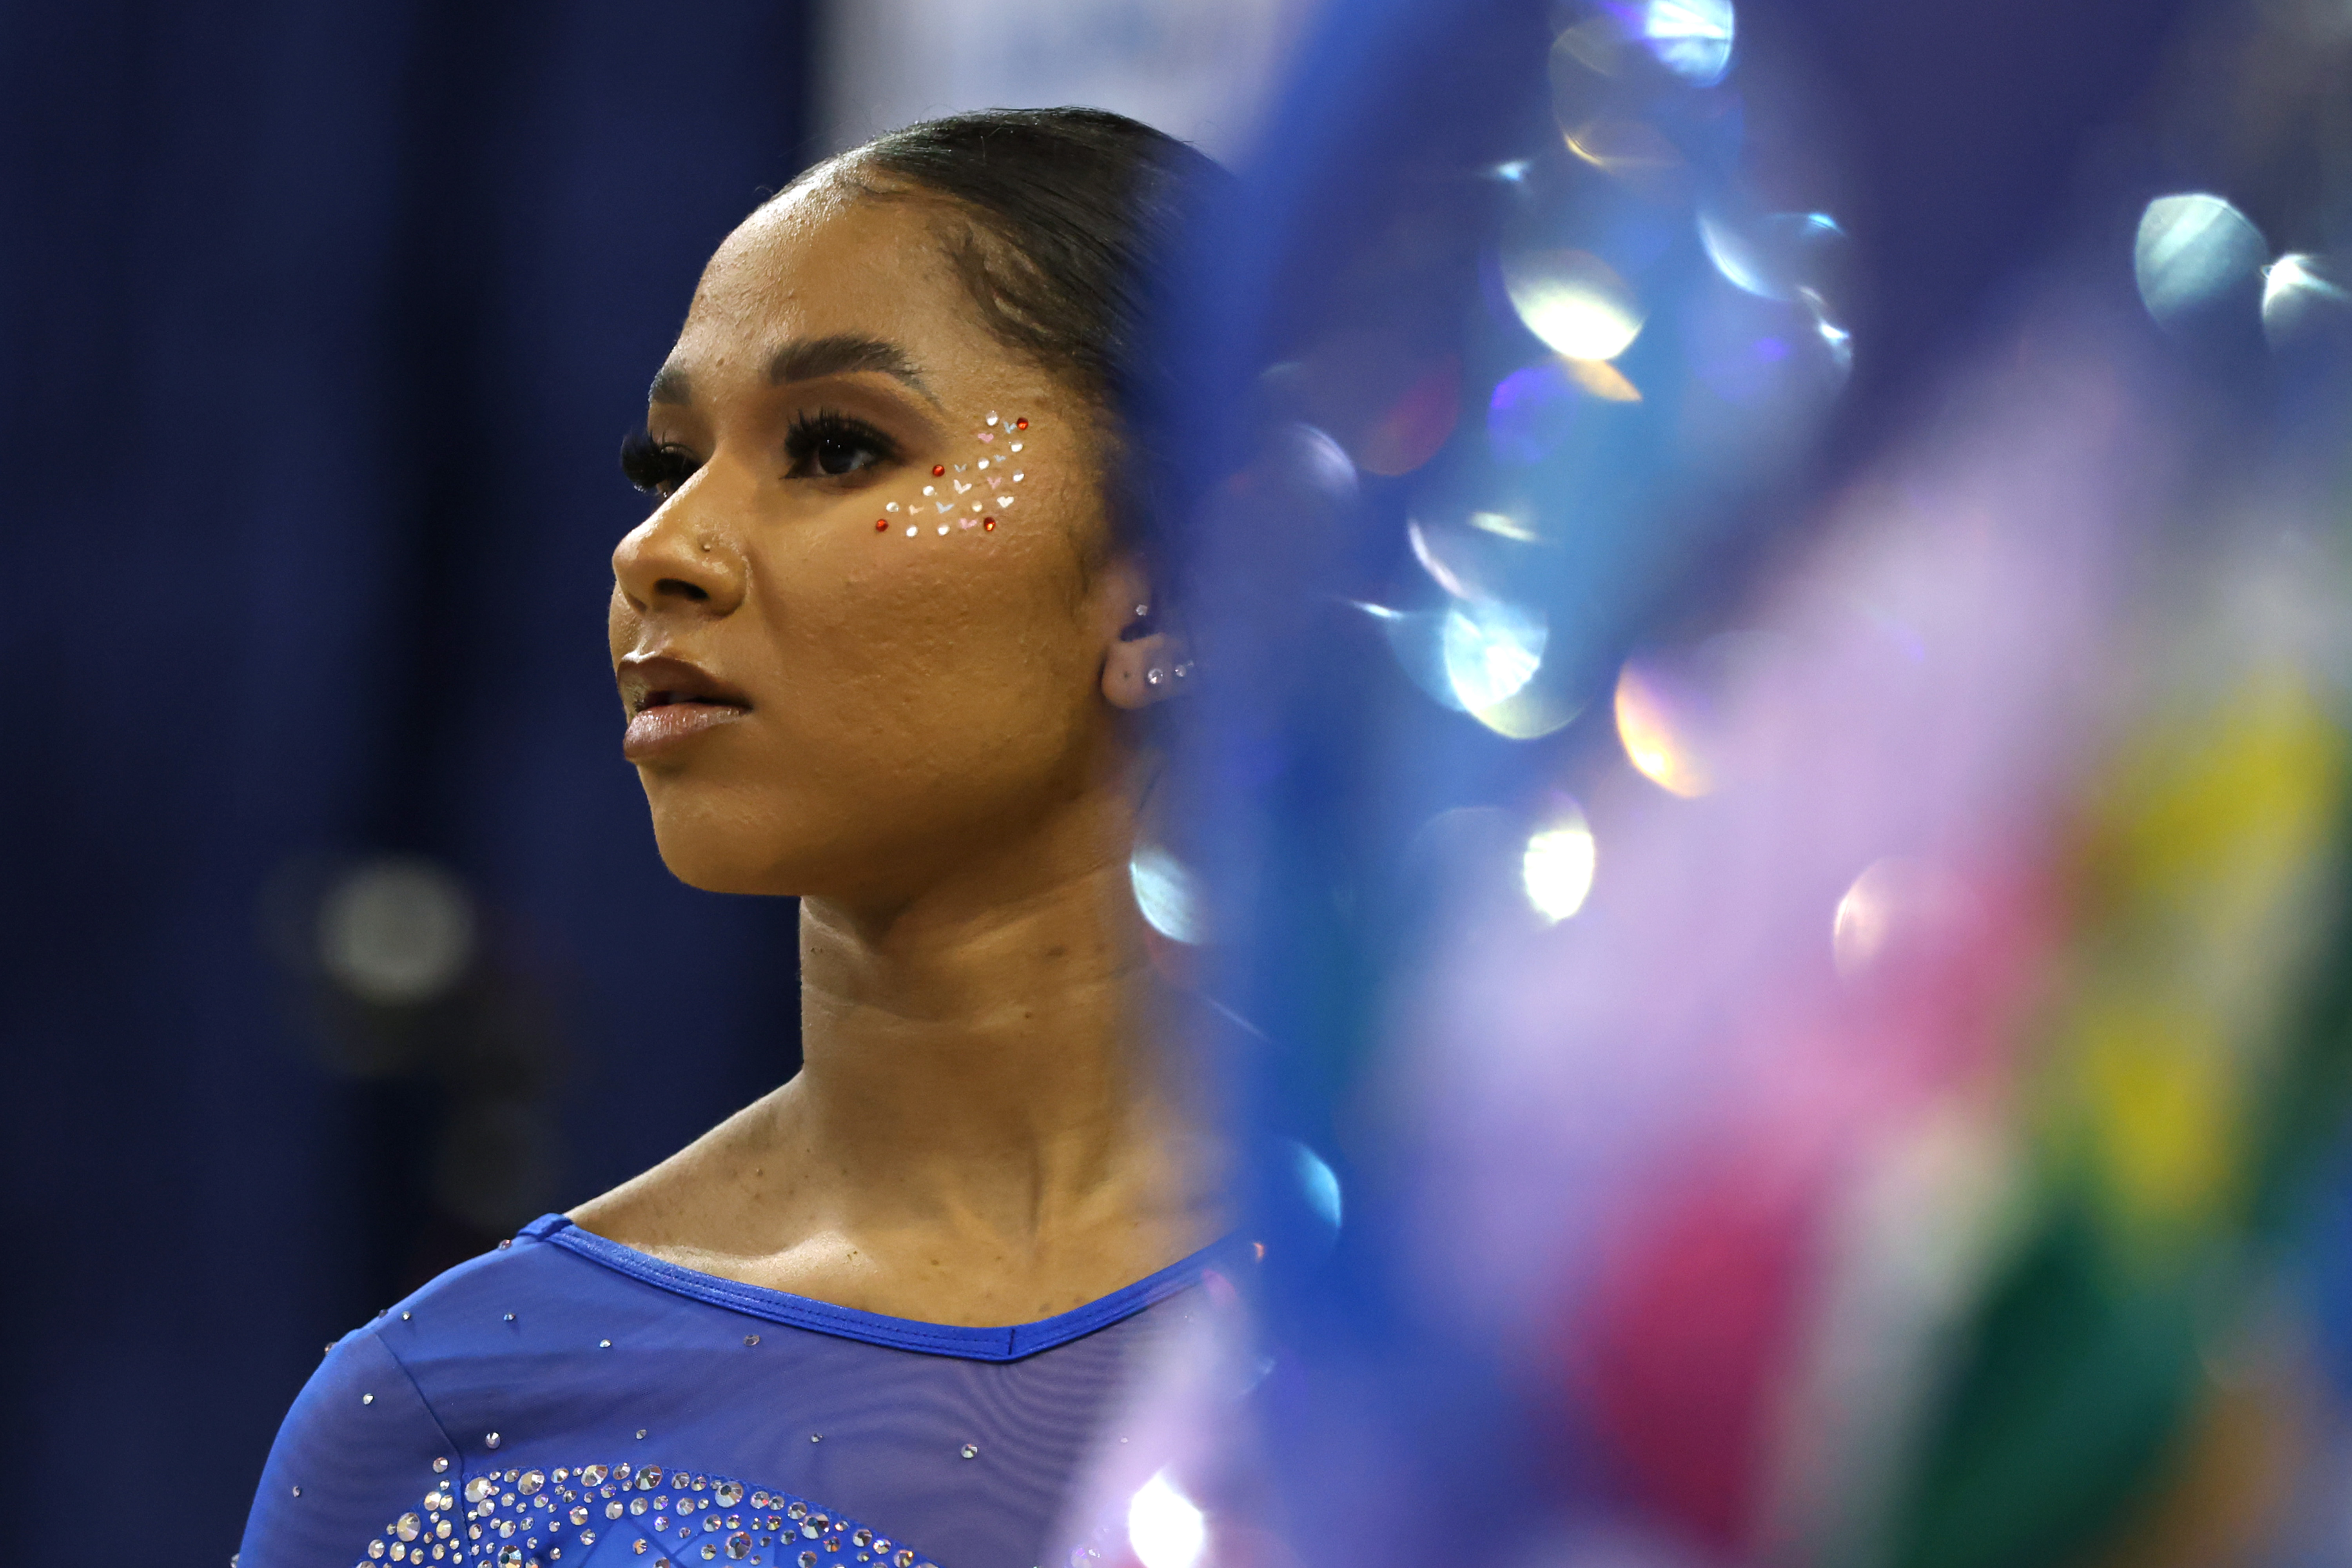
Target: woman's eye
{"type": "Point", "coordinates": [844, 454]}
{"type": "Point", "coordinates": [832, 446]}
{"type": "Point", "coordinates": [657, 467]}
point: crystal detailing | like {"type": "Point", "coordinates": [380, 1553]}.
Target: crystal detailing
{"type": "Point", "coordinates": [587, 1538]}
{"type": "Point", "coordinates": [751, 1338]}
{"type": "Point", "coordinates": [798, 1511]}
{"type": "Point", "coordinates": [729, 1493]}
{"type": "Point", "coordinates": [510, 1557]}
{"type": "Point", "coordinates": [509, 1317]}
{"type": "Point", "coordinates": [641, 1546]}
{"type": "Point", "coordinates": [531, 1482]}
{"type": "Point", "coordinates": [479, 1488]}
{"type": "Point", "coordinates": [376, 1549]}
{"type": "Point", "coordinates": [637, 1505]}
{"type": "Point", "coordinates": [863, 1537]}
{"type": "Point", "coordinates": [641, 1434]}
{"type": "Point", "coordinates": [440, 1467]}
{"type": "Point", "coordinates": [298, 1491]}
{"type": "Point", "coordinates": [592, 1475]}
{"type": "Point", "coordinates": [490, 1439]}
{"type": "Point", "coordinates": [367, 1399]}
{"type": "Point", "coordinates": [409, 1527]}
{"type": "Point", "coordinates": [604, 1344]}
{"type": "Point", "coordinates": [808, 1560]}
{"type": "Point", "coordinates": [709, 1550]}
{"type": "Point", "coordinates": [613, 1508]}
{"type": "Point", "coordinates": [405, 1316]}
{"type": "Point", "coordinates": [650, 1476]}
{"type": "Point", "coordinates": [578, 1515]}
{"type": "Point", "coordinates": [738, 1545]}
{"type": "Point", "coordinates": [971, 1450]}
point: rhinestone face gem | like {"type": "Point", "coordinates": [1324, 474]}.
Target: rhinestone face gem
{"type": "Point", "coordinates": [1021, 424]}
{"type": "Point", "coordinates": [988, 525]}
{"type": "Point", "coordinates": [912, 531]}
{"type": "Point", "coordinates": [937, 470]}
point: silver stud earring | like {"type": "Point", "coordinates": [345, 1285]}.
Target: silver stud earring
{"type": "Point", "coordinates": [1142, 611]}
{"type": "Point", "coordinates": [1183, 669]}
{"type": "Point", "coordinates": [1153, 676]}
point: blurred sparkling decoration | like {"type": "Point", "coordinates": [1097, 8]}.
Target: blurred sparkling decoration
{"type": "Point", "coordinates": [2194, 252]}
{"type": "Point", "coordinates": [1168, 894]}
{"type": "Point", "coordinates": [1164, 1526]}
{"type": "Point", "coordinates": [1925, 1142]}
{"type": "Point", "coordinates": [1657, 727]}
{"type": "Point", "coordinates": [397, 931]}
{"type": "Point", "coordinates": [1556, 868]}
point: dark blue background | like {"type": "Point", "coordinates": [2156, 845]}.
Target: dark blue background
{"type": "Point", "coordinates": [322, 325]}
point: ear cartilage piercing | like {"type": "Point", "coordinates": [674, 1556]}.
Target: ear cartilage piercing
{"type": "Point", "coordinates": [1143, 609]}
{"type": "Point", "coordinates": [1183, 669]}
{"type": "Point", "coordinates": [1153, 676]}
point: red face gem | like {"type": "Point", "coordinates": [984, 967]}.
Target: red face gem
{"type": "Point", "coordinates": [1021, 424]}
{"type": "Point", "coordinates": [938, 469]}
{"type": "Point", "coordinates": [881, 525]}
{"type": "Point", "coordinates": [988, 525]}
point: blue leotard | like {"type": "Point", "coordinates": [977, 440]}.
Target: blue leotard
{"type": "Point", "coordinates": [569, 1402]}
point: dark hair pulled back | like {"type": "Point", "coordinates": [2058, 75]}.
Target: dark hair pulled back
{"type": "Point", "coordinates": [1073, 217]}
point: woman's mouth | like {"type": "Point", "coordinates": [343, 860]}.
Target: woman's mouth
{"type": "Point", "coordinates": [669, 702]}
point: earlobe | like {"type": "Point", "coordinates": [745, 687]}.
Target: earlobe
{"type": "Point", "coordinates": [1147, 664]}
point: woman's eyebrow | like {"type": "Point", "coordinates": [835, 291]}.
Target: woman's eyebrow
{"type": "Point", "coordinates": [807, 359]}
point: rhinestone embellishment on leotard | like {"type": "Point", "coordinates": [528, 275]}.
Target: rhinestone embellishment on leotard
{"type": "Point", "coordinates": [527, 1517]}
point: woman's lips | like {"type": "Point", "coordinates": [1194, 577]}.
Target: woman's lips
{"type": "Point", "coordinates": [670, 702]}
{"type": "Point", "coordinates": [657, 730]}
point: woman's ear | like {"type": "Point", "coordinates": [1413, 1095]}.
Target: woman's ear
{"type": "Point", "coordinates": [1148, 658]}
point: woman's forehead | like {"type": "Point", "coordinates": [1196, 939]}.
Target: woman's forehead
{"type": "Point", "coordinates": [821, 262]}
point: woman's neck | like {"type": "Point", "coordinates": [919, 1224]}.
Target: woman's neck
{"type": "Point", "coordinates": [983, 1130]}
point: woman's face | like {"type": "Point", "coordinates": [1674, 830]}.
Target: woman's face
{"type": "Point", "coordinates": [819, 705]}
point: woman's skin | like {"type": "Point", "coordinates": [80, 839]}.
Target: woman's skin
{"type": "Point", "coordinates": [935, 743]}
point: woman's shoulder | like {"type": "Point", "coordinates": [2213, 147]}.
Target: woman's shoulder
{"type": "Point", "coordinates": [370, 1438]}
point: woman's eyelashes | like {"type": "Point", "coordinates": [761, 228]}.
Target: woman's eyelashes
{"type": "Point", "coordinates": [830, 445]}
{"type": "Point", "coordinates": [657, 467]}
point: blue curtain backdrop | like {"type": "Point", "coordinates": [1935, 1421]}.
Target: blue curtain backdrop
{"type": "Point", "coordinates": [322, 324]}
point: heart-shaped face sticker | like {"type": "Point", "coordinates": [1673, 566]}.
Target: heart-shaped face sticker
{"type": "Point", "coordinates": [988, 435]}
{"type": "Point", "coordinates": [994, 482]}
{"type": "Point", "coordinates": [962, 487]}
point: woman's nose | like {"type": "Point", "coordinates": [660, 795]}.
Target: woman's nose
{"type": "Point", "coordinates": [678, 560]}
